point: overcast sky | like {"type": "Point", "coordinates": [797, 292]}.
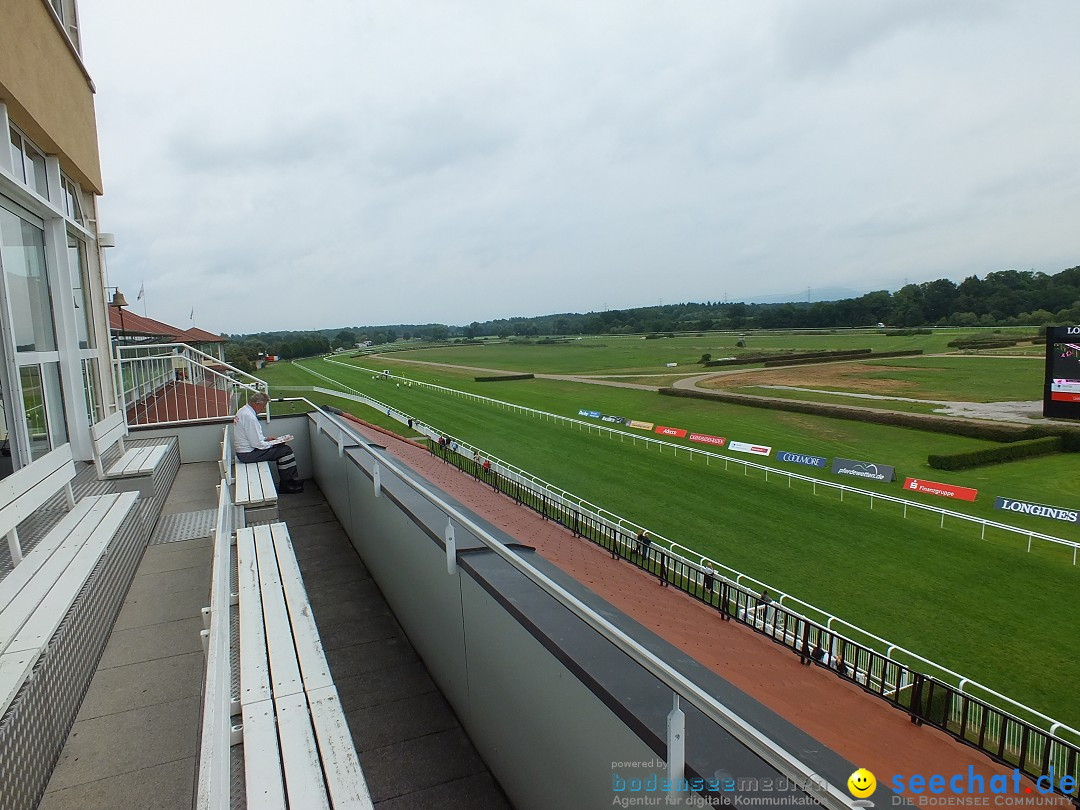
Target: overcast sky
{"type": "Point", "coordinates": [299, 165]}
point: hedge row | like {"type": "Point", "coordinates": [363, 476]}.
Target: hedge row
{"type": "Point", "coordinates": [808, 361]}
{"type": "Point", "coordinates": [997, 455]}
{"type": "Point", "coordinates": [907, 332]}
{"type": "Point", "coordinates": [746, 359]}
{"type": "Point", "coordinates": [977, 343]}
{"type": "Point", "coordinates": [504, 378]}
{"type": "Point", "coordinates": [991, 431]}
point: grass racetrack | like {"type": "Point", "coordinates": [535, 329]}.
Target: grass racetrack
{"type": "Point", "coordinates": [985, 608]}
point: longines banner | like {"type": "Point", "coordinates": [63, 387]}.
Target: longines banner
{"type": "Point", "coordinates": [756, 449]}
{"type": "Point", "coordinates": [944, 490]}
{"type": "Point", "coordinates": [799, 458]}
{"type": "Point", "coordinates": [863, 469]}
{"type": "Point", "coordinates": [641, 425]}
{"type": "Point", "coordinates": [1038, 509]}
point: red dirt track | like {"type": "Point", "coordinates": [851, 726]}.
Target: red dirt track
{"type": "Point", "coordinates": [858, 726]}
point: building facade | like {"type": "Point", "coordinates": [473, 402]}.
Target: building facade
{"type": "Point", "coordinates": [55, 370]}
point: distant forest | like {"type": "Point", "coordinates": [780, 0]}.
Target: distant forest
{"type": "Point", "coordinates": [1005, 298]}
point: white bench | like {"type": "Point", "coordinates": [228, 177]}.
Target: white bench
{"type": "Point", "coordinates": [218, 733]}
{"type": "Point", "coordinates": [297, 748]}
{"type": "Point", "coordinates": [135, 467]}
{"type": "Point", "coordinates": [37, 594]}
{"type": "Point", "coordinates": [253, 484]}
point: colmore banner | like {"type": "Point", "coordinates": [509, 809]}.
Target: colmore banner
{"type": "Point", "coordinates": [1028, 508]}
{"type": "Point", "coordinates": [799, 458]}
{"type": "Point", "coordinates": [863, 469]}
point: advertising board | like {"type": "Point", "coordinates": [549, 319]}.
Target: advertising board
{"type": "Point", "coordinates": [1038, 509]}
{"type": "Point", "coordinates": [801, 458]}
{"type": "Point", "coordinates": [670, 431]}
{"type": "Point", "coordinates": [944, 490]}
{"type": "Point", "coordinates": [745, 447]}
{"type": "Point", "coordinates": [1061, 386]}
{"type": "Point", "coordinates": [640, 425]}
{"type": "Point", "coordinates": [719, 441]}
{"type": "Point", "coordinates": [863, 469]}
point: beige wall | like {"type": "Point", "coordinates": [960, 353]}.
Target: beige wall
{"type": "Point", "coordinates": [48, 95]}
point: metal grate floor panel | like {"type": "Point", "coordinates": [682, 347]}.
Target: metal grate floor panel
{"type": "Point", "coordinates": [183, 526]}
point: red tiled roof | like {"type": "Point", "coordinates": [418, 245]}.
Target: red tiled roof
{"type": "Point", "coordinates": [139, 325]}
{"type": "Point", "coordinates": [134, 324]}
{"type": "Point", "coordinates": [197, 335]}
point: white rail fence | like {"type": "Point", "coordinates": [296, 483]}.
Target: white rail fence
{"type": "Point", "coordinates": [174, 383]}
{"type": "Point", "coordinates": [566, 503]}
{"type": "Point", "coordinates": [710, 456]}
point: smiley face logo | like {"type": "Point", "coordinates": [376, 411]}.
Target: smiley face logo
{"type": "Point", "coordinates": [862, 784]}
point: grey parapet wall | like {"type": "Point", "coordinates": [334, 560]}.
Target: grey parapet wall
{"type": "Point", "coordinates": [558, 712]}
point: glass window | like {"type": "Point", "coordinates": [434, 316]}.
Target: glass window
{"type": "Point", "coordinates": [37, 426]}
{"type": "Point", "coordinates": [37, 178]}
{"type": "Point", "coordinates": [55, 409]}
{"type": "Point", "coordinates": [84, 321]}
{"type": "Point", "coordinates": [18, 165]}
{"type": "Point", "coordinates": [90, 386]}
{"type": "Point", "coordinates": [72, 203]}
{"type": "Point", "coordinates": [22, 254]}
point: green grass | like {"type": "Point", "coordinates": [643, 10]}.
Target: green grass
{"type": "Point", "coordinates": [610, 354]}
{"type": "Point", "coordinates": [968, 378]}
{"type": "Point", "coordinates": [906, 449]}
{"type": "Point", "coordinates": [834, 398]}
{"type": "Point", "coordinates": [985, 608]}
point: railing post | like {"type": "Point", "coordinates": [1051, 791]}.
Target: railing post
{"type": "Point", "coordinates": [451, 548]}
{"type": "Point", "coordinates": [676, 746]}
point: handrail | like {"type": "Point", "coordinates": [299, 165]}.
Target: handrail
{"type": "Point", "coordinates": [1003, 736]}
{"type": "Point", "coordinates": [737, 578]}
{"type": "Point", "coordinates": [148, 378]}
{"type": "Point", "coordinates": [749, 464]}
{"type": "Point", "coordinates": [749, 736]}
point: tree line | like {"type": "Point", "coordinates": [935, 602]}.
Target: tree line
{"type": "Point", "coordinates": [1004, 298]}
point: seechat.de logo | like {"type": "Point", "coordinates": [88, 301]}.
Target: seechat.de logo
{"type": "Point", "coordinates": [862, 785]}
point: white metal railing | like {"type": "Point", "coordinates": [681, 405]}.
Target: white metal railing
{"type": "Point", "coordinates": [565, 501]}
{"type": "Point", "coordinates": [710, 456]}
{"type": "Point", "coordinates": [777, 757]}
{"type": "Point", "coordinates": [173, 383]}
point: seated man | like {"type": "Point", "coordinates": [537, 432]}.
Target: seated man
{"type": "Point", "coordinates": [250, 445]}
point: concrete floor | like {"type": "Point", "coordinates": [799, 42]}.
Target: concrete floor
{"type": "Point", "coordinates": [134, 743]}
{"type": "Point", "coordinates": [135, 739]}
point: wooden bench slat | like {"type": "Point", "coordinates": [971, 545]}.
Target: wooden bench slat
{"type": "Point", "coordinates": [138, 461]}
{"type": "Point", "coordinates": [14, 670]}
{"type": "Point", "coordinates": [299, 753]}
{"type": "Point", "coordinates": [284, 668]}
{"type": "Point", "coordinates": [254, 484]}
{"type": "Point", "coordinates": [341, 765]}
{"type": "Point", "coordinates": [25, 491]}
{"type": "Point", "coordinates": [262, 757]}
{"type": "Point", "coordinates": [24, 588]}
{"type": "Point", "coordinates": [12, 585]}
{"type": "Point", "coordinates": [243, 492]}
{"type": "Point", "coordinates": [254, 667]}
{"type": "Point", "coordinates": [266, 482]}
{"type": "Point", "coordinates": [309, 648]}
{"type": "Point", "coordinates": [51, 611]}
{"type": "Point", "coordinates": [133, 462]}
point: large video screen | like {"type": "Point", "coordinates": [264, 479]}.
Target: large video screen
{"type": "Point", "coordinates": [1061, 396]}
